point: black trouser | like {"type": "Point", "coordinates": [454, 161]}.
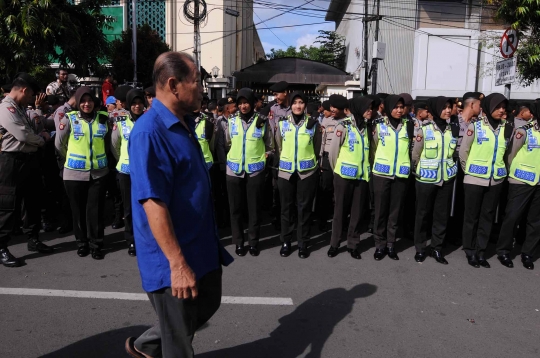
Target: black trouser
{"type": "Point", "coordinates": [124, 180]}
{"type": "Point", "coordinates": [302, 193]}
{"type": "Point", "coordinates": [432, 204]}
{"type": "Point", "coordinates": [325, 197]}
{"type": "Point", "coordinates": [219, 190]}
{"type": "Point", "coordinates": [389, 197]}
{"type": "Point", "coordinates": [179, 319]}
{"type": "Point", "coordinates": [351, 197]}
{"type": "Point", "coordinates": [521, 199]}
{"type": "Point", "coordinates": [87, 200]}
{"type": "Point", "coordinates": [480, 206]}
{"type": "Point", "coordinates": [53, 184]}
{"type": "Point", "coordinates": [455, 224]}
{"type": "Point", "coordinates": [111, 186]}
{"type": "Point", "coordinates": [240, 189]}
{"type": "Point", "coordinates": [19, 181]}
{"type": "Point", "coordinates": [407, 214]}
{"type": "Point", "coordinates": [371, 203]}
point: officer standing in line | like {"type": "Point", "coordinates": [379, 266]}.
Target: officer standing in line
{"type": "Point", "coordinates": [220, 157]}
{"type": "Point", "coordinates": [435, 168]}
{"type": "Point", "coordinates": [110, 104]}
{"type": "Point", "coordinates": [523, 114]}
{"type": "Point", "coordinates": [20, 168]}
{"type": "Point", "coordinates": [482, 159]}
{"type": "Point", "coordinates": [376, 104]}
{"type": "Point", "coordinates": [298, 142]}
{"type": "Point", "coordinates": [524, 192]}
{"type": "Point", "coordinates": [119, 143]}
{"type": "Point", "coordinates": [248, 141]}
{"type": "Point", "coordinates": [80, 140]}
{"type": "Point", "coordinates": [392, 137]}
{"type": "Point", "coordinates": [204, 130]}
{"type": "Point", "coordinates": [348, 156]}
{"type": "Point", "coordinates": [260, 101]}
{"type": "Point", "coordinates": [407, 218]}
{"type": "Point", "coordinates": [60, 86]}
{"type": "Point", "coordinates": [149, 94]}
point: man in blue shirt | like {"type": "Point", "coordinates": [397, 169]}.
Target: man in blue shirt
{"type": "Point", "coordinates": [178, 248]}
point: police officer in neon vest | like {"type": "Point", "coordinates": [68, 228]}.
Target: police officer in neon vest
{"type": "Point", "coordinates": [248, 140]}
{"type": "Point", "coordinates": [298, 140]}
{"type": "Point", "coordinates": [523, 193]}
{"type": "Point", "coordinates": [348, 155]}
{"type": "Point", "coordinates": [204, 130]}
{"type": "Point", "coordinates": [119, 142]}
{"type": "Point", "coordinates": [392, 137]}
{"type": "Point", "coordinates": [82, 140]}
{"type": "Point", "coordinates": [435, 170]}
{"type": "Point", "coordinates": [482, 159]}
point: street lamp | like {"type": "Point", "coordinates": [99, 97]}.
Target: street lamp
{"type": "Point", "coordinates": [215, 71]}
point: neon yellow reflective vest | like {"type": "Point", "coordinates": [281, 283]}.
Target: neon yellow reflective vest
{"type": "Point", "coordinates": [526, 165]}
{"type": "Point", "coordinates": [392, 154]}
{"type": "Point", "coordinates": [124, 125]}
{"type": "Point", "coordinates": [247, 151]}
{"type": "Point", "coordinates": [487, 151]}
{"type": "Point", "coordinates": [86, 146]}
{"type": "Point", "coordinates": [200, 132]}
{"type": "Point", "coordinates": [436, 162]}
{"type": "Point", "coordinates": [353, 158]}
{"type": "Point", "coordinates": [297, 152]}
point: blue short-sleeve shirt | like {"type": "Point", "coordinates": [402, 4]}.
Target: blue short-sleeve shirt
{"type": "Point", "coordinates": [167, 164]}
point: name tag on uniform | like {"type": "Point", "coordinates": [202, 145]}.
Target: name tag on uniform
{"type": "Point", "coordinates": [102, 130]}
{"type": "Point", "coordinates": [257, 133]}
{"type": "Point", "coordinates": [77, 130]}
{"type": "Point", "coordinates": [533, 142]}
{"type": "Point", "coordinates": [384, 130]}
{"type": "Point", "coordinates": [430, 135]}
{"type": "Point", "coordinates": [329, 129]}
{"type": "Point", "coordinates": [234, 128]}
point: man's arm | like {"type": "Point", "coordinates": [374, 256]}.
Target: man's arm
{"type": "Point", "coordinates": [61, 138]}
{"type": "Point", "coordinates": [418, 147]}
{"type": "Point", "coordinates": [466, 144]}
{"type": "Point", "coordinates": [515, 145]}
{"type": "Point", "coordinates": [14, 125]}
{"type": "Point", "coordinates": [183, 282]}
{"type": "Point", "coordinates": [116, 142]}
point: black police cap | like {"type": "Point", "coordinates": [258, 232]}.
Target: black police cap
{"type": "Point", "coordinates": [473, 95]}
{"type": "Point", "coordinates": [121, 92]}
{"type": "Point", "coordinates": [420, 105]}
{"type": "Point", "coordinates": [338, 101]}
{"type": "Point", "coordinates": [279, 87]}
{"type": "Point", "coordinates": [260, 97]}
{"type": "Point", "coordinates": [221, 102]}
{"type": "Point", "coordinates": [326, 105]}
{"type": "Point", "coordinates": [29, 80]}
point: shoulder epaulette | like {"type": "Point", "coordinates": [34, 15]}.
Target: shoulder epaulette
{"type": "Point", "coordinates": [426, 123]}
{"type": "Point", "coordinates": [283, 118]}
{"type": "Point", "coordinates": [378, 120]}
{"type": "Point", "coordinates": [526, 126]}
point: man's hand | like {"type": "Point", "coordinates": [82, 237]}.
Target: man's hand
{"type": "Point", "coordinates": [41, 99]}
{"type": "Point", "coordinates": [45, 135]}
{"type": "Point", "coordinates": [183, 283]}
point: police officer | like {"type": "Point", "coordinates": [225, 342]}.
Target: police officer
{"type": "Point", "coordinates": [19, 168]}
{"type": "Point", "coordinates": [348, 156]}
{"type": "Point", "coordinates": [60, 86]}
{"type": "Point", "coordinates": [248, 140]}
{"type": "Point", "coordinates": [435, 168]}
{"type": "Point", "coordinates": [149, 94]}
{"type": "Point", "coordinates": [482, 159]}
{"type": "Point", "coordinates": [220, 159]}
{"type": "Point", "coordinates": [80, 139]}
{"type": "Point", "coordinates": [204, 131]}
{"type": "Point", "coordinates": [523, 114]}
{"type": "Point", "coordinates": [260, 101]}
{"type": "Point", "coordinates": [392, 136]}
{"type": "Point", "coordinates": [298, 142]}
{"type": "Point", "coordinates": [119, 143]}
{"type": "Point", "coordinates": [523, 193]}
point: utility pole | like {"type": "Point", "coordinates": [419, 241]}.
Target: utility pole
{"type": "Point", "coordinates": [375, 63]}
{"type": "Point", "coordinates": [134, 39]}
{"type": "Point", "coordinates": [366, 39]}
{"type": "Point", "coordinates": [197, 35]}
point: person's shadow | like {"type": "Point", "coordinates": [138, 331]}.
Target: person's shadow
{"type": "Point", "coordinates": [310, 325]}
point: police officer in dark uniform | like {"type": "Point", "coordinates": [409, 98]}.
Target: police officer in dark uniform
{"type": "Point", "coordinates": [19, 167]}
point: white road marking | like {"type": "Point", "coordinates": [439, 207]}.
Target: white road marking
{"type": "Point", "coordinates": [273, 301]}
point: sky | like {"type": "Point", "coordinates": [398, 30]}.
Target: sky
{"type": "Point", "coordinates": [291, 36]}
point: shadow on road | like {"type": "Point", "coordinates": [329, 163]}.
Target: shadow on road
{"type": "Point", "coordinates": [310, 325]}
{"type": "Point", "coordinates": [104, 345]}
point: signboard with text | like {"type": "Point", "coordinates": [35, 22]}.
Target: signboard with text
{"type": "Point", "coordinates": [505, 71]}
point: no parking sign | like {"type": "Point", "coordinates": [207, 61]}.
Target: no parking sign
{"type": "Point", "coordinates": [509, 43]}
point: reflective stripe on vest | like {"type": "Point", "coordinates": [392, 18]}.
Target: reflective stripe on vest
{"type": "Point", "coordinates": [526, 166]}
{"type": "Point", "coordinates": [297, 152]}
{"type": "Point", "coordinates": [247, 151]}
{"type": "Point", "coordinates": [392, 154]}
{"type": "Point", "coordinates": [200, 133]}
{"type": "Point", "coordinates": [487, 151]}
{"type": "Point", "coordinates": [124, 127]}
{"type": "Point", "coordinates": [436, 162]}
{"type": "Point", "coordinates": [353, 157]}
{"type": "Point", "coordinates": [86, 146]}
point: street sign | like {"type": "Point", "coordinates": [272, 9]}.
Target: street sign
{"type": "Point", "coordinates": [505, 71]}
{"type": "Point", "coordinates": [509, 43]}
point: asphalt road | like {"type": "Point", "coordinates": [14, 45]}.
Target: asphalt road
{"type": "Point", "coordinates": [341, 307]}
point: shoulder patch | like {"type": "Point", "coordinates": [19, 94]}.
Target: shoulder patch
{"type": "Point", "coordinates": [519, 135]}
{"type": "Point", "coordinates": [338, 133]}
{"type": "Point", "coordinates": [418, 138]}
{"type": "Point", "coordinates": [470, 132]}
{"type": "Point", "coordinates": [11, 109]}
{"type": "Point", "coordinates": [114, 127]}
{"type": "Point", "coordinates": [61, 126]}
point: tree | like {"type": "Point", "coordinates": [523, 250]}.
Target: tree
{"type": "Point", "coordinates": [149, 47]}
{"type": "Point", "coordinates": [331, 50]}
{"type": "Point", "coordinates": [523, 16]}
{"type": "Point", "coordinates": [35, 33]}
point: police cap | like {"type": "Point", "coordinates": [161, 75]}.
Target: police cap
{"type": "Point", "coordinates": [421, 105]}
{"type": "Point", "coordinates": [279, 87]}
{"type": "Point", "coordinates": [121, 92]}
{"type": "Point", "coordinates": [338, 101]}
{"type": "Point", "coordinates": [151, 91]}
{"type": "Point", "coordinates": [260, 97]}
{"type": "Point", "coordinates": [222, 102]}
{"type": "Point", "coordinates": [28, 80]}
{"type": "Point", "coordinates": [473, 95]}
{"type": "Point", "coordinates": [326, 105]}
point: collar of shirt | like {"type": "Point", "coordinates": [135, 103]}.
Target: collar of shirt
{"type": "Point", "coordinates": [167, 117]}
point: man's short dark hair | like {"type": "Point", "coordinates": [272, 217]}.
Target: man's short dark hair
{"type": "Point", "coordinates": [212, 105]}
{"type": "Point", "coordinates": [171, 64]}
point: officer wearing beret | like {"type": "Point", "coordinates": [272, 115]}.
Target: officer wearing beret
{"type": "Point", "coordinates": [259, 104]}
{"type": "Point", "coordinates": [19, 167]}
{"type": "Point", "coordinates": [524, 192]}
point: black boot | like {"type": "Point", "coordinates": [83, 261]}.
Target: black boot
{"type": "Point", "coordinates": [8, 259]}
{"type": "Point", "coordinates": [36, 245]}
{"type": "Point", "coordinates": [285, 249]}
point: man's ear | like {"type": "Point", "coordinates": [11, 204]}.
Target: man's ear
{"type": "Point", "coordinates": [172, 84]}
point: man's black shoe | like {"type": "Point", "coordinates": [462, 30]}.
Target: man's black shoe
{"type": "Point", "coordinates": [83, 251]}
{"type": "Point", "coordinates": [333, 251]}
{"type": "Point", "coordinates": [527, 262]}
{"type": "Point", "coordinates": [36, 245]}
{"type": "Point", "coordinates": [48, 227]}
{"type": "Point", "coordinates": [240, 250]}
{"type": "Point", "coordinates": [505, 260]}
{"type": "Point", "coordinates": [483, 262]}
{"type": "Point", "coordinates": [285, 249]}
{"type": "Point", "coordinates": [473, 261]}
{"type": "Point", "coordinates": [97, 254]}
{"type": "Point", "coordinates": [8, 259]}
{"type": "Point", "coordinates": [132, 251]}
{"type": "Point", "coordinates": [254, 251]}
{"type": "Point", "coordinates": [438, 256]}
{"type": "Point", "coordinates": [303, 251]}
{"type": "Point", "coordinates": [118, 224]}
{"type": "Point", "coordinates": [392, 253]}
{"type": "Point", "coordinates": [420, 256]}
{"type": "Point", "coordinates": [379, 254]}
{"type": "Point", "coordinates": [355, 254]}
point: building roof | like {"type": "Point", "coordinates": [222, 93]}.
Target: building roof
{"type": "Point", "coordinates": [336, 10]}
{"type": "Point", "coordinates": [293, 70]}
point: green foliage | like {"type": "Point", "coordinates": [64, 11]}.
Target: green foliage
{"type": "Point", "coordinates": [331, 50]}
{"type": "Point", "coordinates": [524, 16]}
{"type": "Point", "coordinates": [34, 33]}
{"type": "Point", "coordinates": [149, 47]}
